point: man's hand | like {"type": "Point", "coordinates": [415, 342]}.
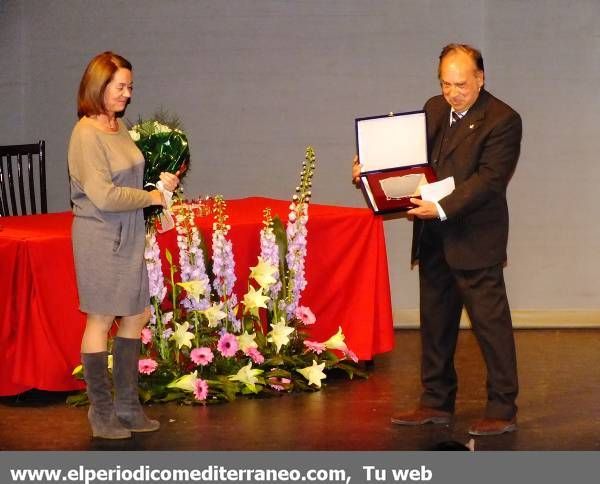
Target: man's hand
{"type": "Point", "coordinates": [355, 170]}
{"type": "Point", "coordinates": [424, 209]}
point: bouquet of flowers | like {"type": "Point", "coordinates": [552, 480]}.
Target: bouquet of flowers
{"type": "Point", "coordinates": [164, 146]}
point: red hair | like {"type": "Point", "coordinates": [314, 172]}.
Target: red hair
{"type": "Point", "coordinates": [97, 75]}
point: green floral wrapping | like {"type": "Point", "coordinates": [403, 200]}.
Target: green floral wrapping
{"type": "Point", "coordinates": [165, 149]}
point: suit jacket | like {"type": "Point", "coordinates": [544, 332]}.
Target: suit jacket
{"type": "Point", "coordinates": [481, 153]}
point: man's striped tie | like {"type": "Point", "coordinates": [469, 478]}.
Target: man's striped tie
{"type": "Point", "coordinates": [455, 118]}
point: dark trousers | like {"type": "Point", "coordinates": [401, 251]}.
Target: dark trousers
{"type": "Point", "coordinates": [444, 291]}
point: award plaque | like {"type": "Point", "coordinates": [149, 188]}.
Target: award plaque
{"type": "Point", "coordinates": [392, 150]}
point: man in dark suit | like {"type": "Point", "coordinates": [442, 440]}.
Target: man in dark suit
{"type": "Point", "coordinates": [460, 243]}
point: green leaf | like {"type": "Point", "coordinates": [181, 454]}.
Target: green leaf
{"type": "Point", "coordinates": [276, 360]}
{"type": "Point", "coordinates": [172, 396]}
{"type": "Point", "coordinates": [300, 385]}
{"type": "Point", "coordinates": [330, 356]}
{"type": "Point", "coordinates": [297, 360]}
{"type": "Point", "coordinates": [278, 373]}
{"type": "Point", "coordinates": [145, 395]}
{"type": "Point", "coordinates": [261, 339]}
{"type": "Point", "coordinates": [78, 400]}
{"type": "Point", "coordinates": [352, 370]}
{"type": "Point", "coordinates": [247, 391]}
{"type": "Point", "coordinates": [207, 261]}
{"type": "Point", "coordinates": [281, 241]}
{"type": "Point", "coordinates": [228, 388]}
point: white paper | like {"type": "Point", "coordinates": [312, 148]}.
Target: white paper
{"type": "Point", "coordinates": [434, 192]}
{"type": "Point", "coordinates": [392, 141]}
{"type": "Point", "coordinates": [166, 193]}
{"type": "Point", "coordinates": [396, 187]}
{"type": "Point", "coordinates": [166, 222]}
{"type": "Point", "coordinates": [365, 183]}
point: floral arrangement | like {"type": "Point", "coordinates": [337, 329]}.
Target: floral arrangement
{"type": "Point", "coordinates": [202, 344]}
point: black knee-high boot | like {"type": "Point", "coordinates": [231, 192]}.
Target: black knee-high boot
{"type": "Point", "coordinates": [101, 414]}
{"type": "Point", "coordinates": [126, 352]}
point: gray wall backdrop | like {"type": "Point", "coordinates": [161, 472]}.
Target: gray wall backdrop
{"type": "Point", "coordinates": [256, 81]}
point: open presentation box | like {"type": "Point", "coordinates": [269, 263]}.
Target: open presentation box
{"type": "Point", "coordinates": [392, 150]}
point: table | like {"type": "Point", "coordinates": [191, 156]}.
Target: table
{"type": "Point", "coordinates": [41, 326]}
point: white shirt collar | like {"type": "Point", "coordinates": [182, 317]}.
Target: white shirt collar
{"type": "Point", "coordinates": [461, 114]}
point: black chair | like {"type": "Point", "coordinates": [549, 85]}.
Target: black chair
{"type": "Point", "coordinates": [19, 163]}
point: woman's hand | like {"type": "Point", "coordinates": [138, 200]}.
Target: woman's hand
{"type": "Point", "coordinates": [169, 181]}
{"type": "Point", "coordinates": [158, 198]}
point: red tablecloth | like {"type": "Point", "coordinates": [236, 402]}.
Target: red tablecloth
{"type": "Point", "coordinates": [41, 327]}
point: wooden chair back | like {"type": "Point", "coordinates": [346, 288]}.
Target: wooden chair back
{"type": "Point", "coordinates": [23, 179]}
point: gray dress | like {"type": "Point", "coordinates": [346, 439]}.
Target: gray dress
{"type": "Point", "coordinates": [106, 172]}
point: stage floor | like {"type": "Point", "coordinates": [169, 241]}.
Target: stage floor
{"type": "Point", "coordinates": [559, 408]}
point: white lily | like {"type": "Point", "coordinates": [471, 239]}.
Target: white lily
{"type": "Point", "coordinates": [263, 273]}
{"type": "Point", "coordinates": [336, 342]}
{"type": "Point", "coordinates": [247, 376]}
{"type": "Point", "coordinates": [254, 299]}
{"type": "Point", "coordinates": [246, 341]}
{"type": "Point", "coordinates": [186, 382]}
{"type": "Point", "coordinates": [182, 336]}
{"type": "Point", "coordinates": [279, 335]}
{"type": "Point", "coordinates": [314, 373]}
{"type": "Point", "coordinates": [195, 289]}
{"type": "Point", "coordinates": [214, 314]}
